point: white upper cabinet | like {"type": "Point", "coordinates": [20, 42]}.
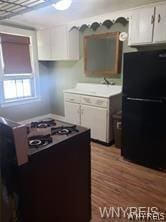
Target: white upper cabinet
{"type": "Point", "coordinates": [74, 46]}
{"type": "Point", "coordinates": [148, 25]}
{"type": "Point", "coordinates": [160, 24]}
{"type": "Point", "coordinates": [44, 44]}
{"type": "Point", "coordinates": [58, 43]}
{"type": "Point", "coordinates": [141, 26]}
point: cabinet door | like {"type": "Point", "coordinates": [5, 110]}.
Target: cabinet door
{"type": "Point", "coordinates": [160, 24]}
{"type": "Point", "coordinates": [72, 113]}
{"type": "Point", "coordinates": [95, 118]}
{"type": "Point", "coordinates": [59, 45]}
{"type": "Point", "coordinates": [44, 47]}
{"type": "Point", "coordinates": [141, 26]}
{"type": "Point", "coordinates": [73, 44]}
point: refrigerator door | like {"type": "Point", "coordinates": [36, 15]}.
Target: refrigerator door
{"type": "Point", "coordinates": [145, 74]}
{"type": "Point", "coordinates": [144, 132]}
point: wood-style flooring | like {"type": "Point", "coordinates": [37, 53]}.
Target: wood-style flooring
{"type": "Point", "coordinates": [119, 183]}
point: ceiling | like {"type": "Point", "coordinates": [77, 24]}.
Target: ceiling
{"type": "Point", "coordinates": [48, 16]}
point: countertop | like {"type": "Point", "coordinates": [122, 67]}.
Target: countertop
{"type": "Point", "coordinates": [98, 90]}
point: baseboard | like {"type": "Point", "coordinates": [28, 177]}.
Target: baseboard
{"type": "Point", "coordinates": [103, 143]}
{"type": "Point", "coordinates": [51, 115]}
{"type": "Point", "coordinates": [58, 117]}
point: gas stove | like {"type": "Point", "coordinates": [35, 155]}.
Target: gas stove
{"type": "Point", "coordinates": [45, 133]}
{"type": "Point", "coordinates": [45, 168]}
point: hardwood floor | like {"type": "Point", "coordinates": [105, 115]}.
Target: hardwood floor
{"type": "Point", "coordinates": [119, 183]}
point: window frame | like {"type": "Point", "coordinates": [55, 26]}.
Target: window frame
{"type": "Point", "coordinates": [34, 76]}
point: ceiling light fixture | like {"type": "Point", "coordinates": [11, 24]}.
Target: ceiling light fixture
{"type": "Point", "coordinates": [62, 5]}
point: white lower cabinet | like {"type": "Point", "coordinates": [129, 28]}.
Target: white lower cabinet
{"type": "Point", "coordinates": [72, 113]}
{"type": "Point", "coordinates": [91, 112]}
{"type": "Point", "coordinates": [95, 118]}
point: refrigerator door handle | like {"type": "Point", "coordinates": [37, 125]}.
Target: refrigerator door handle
{"type": "Point", "coordinates": [164, 100]}
{"type": "Point", "coordinates": [145, 100]}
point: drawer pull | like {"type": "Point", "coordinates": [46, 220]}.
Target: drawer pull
{"type": "Point", "coordinates": [71, 99]}
{"type": "Point", "coordinates": [87, 100]}
{"type": "Point", "coordinates": [99, 102]}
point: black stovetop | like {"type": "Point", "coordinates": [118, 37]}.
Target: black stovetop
{"type": "Point", "coordinates": [43, 134]}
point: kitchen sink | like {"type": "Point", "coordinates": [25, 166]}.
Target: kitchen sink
{"type": "Point", "coordinates": [100, 90]}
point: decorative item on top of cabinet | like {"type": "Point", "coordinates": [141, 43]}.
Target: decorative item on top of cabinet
{"type": "Point", "coordinates": [58, 43]}
{"type": "Point", "coordinates": [147, 26]}
{"type": "Point", "coordinates": [102, 54]}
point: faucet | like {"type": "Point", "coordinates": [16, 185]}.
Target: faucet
{"type": "Point", "coordinates": [106, 81]}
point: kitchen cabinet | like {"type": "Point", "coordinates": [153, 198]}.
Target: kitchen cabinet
{"type": "Point", "coordinates": [91, 112]}
{"type": "Point", "coordinates": [92, 106]}
{"type": "Point", "coordinates": [160, 24]}
{"type": "Point", "coordinates": [141, 26]}
{"type": "Point", "coordinates": [72, 113]}
{"type": "Point", "coordinates": [148, 26]}
{"type": "Point", "coordinates": [95, 118]}
{"type": "Point", "coordinates": [58, 43]}
{"type": "Point", "coordinates": [44, 44]}
{"type": "Point", "coordinates": [72, 108]}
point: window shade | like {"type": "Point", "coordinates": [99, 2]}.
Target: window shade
{"type": "Point", "coordinates": [16, 54]}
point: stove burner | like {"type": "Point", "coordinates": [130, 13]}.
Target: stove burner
{"type": "Point", "coordinates": [63, 130]}
{"type": "Point", "coordinates": [35, 142]}
{"type": "Point", "coordinates": [39, 141]}
{"type": "Point", "coordinates": [43, 123]}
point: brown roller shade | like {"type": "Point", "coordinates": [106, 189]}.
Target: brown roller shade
{"type": "Point", "coordinates": [16, 54]}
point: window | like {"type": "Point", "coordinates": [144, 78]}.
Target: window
{"type": "Point", "coordinates": [15, 89]}
{"type": "Point", "coordinates": [18, 81]}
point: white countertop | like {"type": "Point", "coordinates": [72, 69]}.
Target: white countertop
{"type": "Point", "coordinates": [99, 90]}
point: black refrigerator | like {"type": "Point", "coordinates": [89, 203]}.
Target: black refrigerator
{"type": "Point", "coordinates": [144, 108]}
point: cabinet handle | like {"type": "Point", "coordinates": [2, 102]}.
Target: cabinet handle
{"type": "Point", "coordinates": [159, 18]}
{"type": "Point", "coordinates": [87, 100]}
{"type": "Point", "coordinates": [71, 99]}
{"type": "Point", "coordinates": [152, 19]}
{"type": "Point", "coordinates": [99, 102]}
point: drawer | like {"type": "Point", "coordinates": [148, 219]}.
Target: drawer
{"type": "Point", "coordinates": [73, 98]}
{"type": "Point", "coordinates": [94, 101]}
